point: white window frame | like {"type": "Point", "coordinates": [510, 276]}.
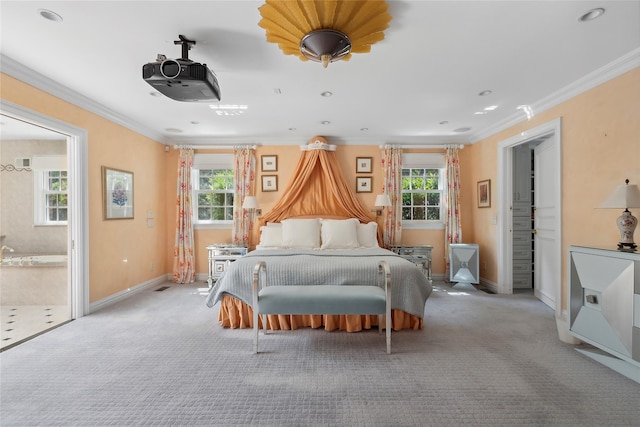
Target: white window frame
{"type": "Point", "coordinates": [203, 162]}
{"type": "Point", "coordinates": [41, 166]}
{"type": "Point", "coordinates": [428, 161]}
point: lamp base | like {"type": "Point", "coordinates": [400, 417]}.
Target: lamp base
{"type": "Point", "coordinates": [627, 247]}
{"type": "Point", "coordinates": [626, 225]}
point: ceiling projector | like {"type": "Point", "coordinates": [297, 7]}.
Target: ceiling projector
{"type": "Point", "coordinates": [182, 79]}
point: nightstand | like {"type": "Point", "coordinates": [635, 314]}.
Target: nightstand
{"type": "Point", "coordinates": [419, 255]}
{"type": "Point", "coordinates": [220, 255]}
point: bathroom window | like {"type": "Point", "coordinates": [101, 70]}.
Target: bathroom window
{"type": "Point", "coordinates": [51, 200]}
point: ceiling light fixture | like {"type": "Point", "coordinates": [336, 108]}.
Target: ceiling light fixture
{"type": "Point", "coordinates": [485, 93]}
{"type": "Point", "coordinates": [324, 30]}
{"type": "Point", "coordinates": [50, 15]}
{"type": "Point", "coordinates": [591, 15]}
{"type": "Point", "coordinates": [326, 94]}
{"type": "Point", "coordinates": [464, 129]}
{"type": "Point", "coordinates": [325, 122]}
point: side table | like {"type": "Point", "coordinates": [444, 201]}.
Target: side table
{"type": "Point", "coordinates": [420, 255]}
{"type": "Point", "coordinates": [220, 255]}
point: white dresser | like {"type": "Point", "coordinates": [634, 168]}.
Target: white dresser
{"type": "Point", "coordinates": [604, 306]}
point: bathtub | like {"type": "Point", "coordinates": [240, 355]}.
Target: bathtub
{"type": "Point", "coordinates": [34, 279]}
{"type": "Point", "coordinates": [34, 260]}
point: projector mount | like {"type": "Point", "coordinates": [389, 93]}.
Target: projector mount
{"type": "Point", "coordinates": [186, 45]}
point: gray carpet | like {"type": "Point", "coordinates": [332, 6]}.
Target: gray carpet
{"type": "Point", "coordinates": [160, 358]}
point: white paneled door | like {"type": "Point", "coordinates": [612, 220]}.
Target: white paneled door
{"type": "Point", "coordinates": [546, 252]}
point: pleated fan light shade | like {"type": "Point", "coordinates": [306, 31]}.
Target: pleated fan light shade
{"type": "Point", "coordinates": [324, 31]}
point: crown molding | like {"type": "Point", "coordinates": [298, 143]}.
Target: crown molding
{"type": "Point", "coordinates": [603, 74]}
{"type": "Point", "coordinates": [27, 75]}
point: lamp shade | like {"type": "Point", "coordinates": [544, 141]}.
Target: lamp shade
{"type": "Point", "coordinates": [250, 202]}
{"type": "Point", "coordinates": [625, 196]}
{"type": "Point", "coordinates": [383, 200]}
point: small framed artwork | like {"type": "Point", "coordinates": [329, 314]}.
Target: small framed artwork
{"type": "Point", "coordinates": [269, 182]}
{"type": "Point", "coordinates": [363, 184]}
{"type": "Point", "coordinates": [117, 193]}
{"type": "Point", "coordinates": [363, 164]}
{"type": "Point", "coordinates": [269, 163]}
{"type": "Point", "coordinates": [484, 193]}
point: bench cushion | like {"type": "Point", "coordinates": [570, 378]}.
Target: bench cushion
{"type": "Point", "coordinates": [325, 299]}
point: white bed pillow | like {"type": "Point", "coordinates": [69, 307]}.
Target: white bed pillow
{"type": "Point", "coordinates": [301, 233]}
{"type": "Point", "coordinates": [270, 237]}
{"type": "Point", "coordinates": [339, 234]}
{"type": "Point", "coordinates": [368, 235]}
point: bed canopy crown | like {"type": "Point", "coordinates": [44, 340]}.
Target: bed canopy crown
{"type": "Point", "coordinates": [317, 188]}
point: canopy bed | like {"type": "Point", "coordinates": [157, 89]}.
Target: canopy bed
{"type": "Point", "coordinates": [319, 233]}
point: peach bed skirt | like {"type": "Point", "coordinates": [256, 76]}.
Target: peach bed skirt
{"type": "Point", "coordinates": [236, 314]}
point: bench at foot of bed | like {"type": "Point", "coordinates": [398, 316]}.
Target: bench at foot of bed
{"type": "Point", "coordinates": [321, 299]}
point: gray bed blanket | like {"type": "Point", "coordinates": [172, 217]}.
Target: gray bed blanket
{"type": "Point", "coordinates": [409, 286]}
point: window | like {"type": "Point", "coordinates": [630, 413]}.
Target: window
{"type": "Point", "coordinates": [213, 189]}
{"type": "Point", "coordinates": [423, 185]}
{"type": "Point", "coordinates": [421, 194]}
{"type": "Point", "coordinates": [51, 201]}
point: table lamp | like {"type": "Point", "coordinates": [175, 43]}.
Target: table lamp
{"type": "Point", "coordinates": [624, 197]}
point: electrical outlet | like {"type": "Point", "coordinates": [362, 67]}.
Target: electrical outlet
{"type": "Point", "coordinates": [484, 266]}
{"type": "Point", "coordinates": [152, 266]}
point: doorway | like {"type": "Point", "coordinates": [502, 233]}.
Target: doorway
{"type": "Point", "coordinates": [53, 244]}
{"type": "Point", "coordinates": [547, 280]}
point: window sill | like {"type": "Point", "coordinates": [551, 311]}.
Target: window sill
{"type": "Point", "coordinates": [419, 225]}
{"type": "Point", "coordinates": [217, 226]}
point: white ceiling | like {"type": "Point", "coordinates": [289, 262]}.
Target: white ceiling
{"type": "Point", "coordinates": [418, 86]}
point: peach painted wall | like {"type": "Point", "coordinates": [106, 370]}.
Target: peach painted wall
{"type": "Point", "coordinates": [112, 242]}
{"type": "Point", "coordinates": [600, 148]}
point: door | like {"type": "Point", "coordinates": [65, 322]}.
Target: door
{"type": "Point", "coordinates": [546, 214]}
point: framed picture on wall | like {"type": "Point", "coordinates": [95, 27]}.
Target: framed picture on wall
{"type": "Point", "coordinates": [269, 163]}
{"type": "Point", "coordinates": [117, 193]}
{"type": "Point", "coordinates": [363, 184]}
{"type": "Point", "coordinates": [269, 182]}
{"type": "Point", "coordinates": [363, 164]}
{"type": "Point", "coordinates": [484, 193]}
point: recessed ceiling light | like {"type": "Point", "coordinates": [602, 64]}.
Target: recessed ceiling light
{"type": "Point", "coordinates": [173, 130]}
{"type": "Point", "coordinates": [326, 94]}
{"type": "Point", "coordinates": [464, 129]}
{"type": "Point", "coordinates": [325, 122]}
{"type": "Point", "coordinates": [154, 93]}
{"type": "Point", "coordinates": [479, 113]}
{"type": "Point", "coordinates": [485, 92]}
{"type": "Point", "coordinates": [491, 108]}
{"type": "Point", "coordinates": [50, 15]}
{"type": "Point", "coordinates": [444, 122]}
{"type": "Point", "coordinates": [591, 15]}
{"type": "Point", "coordinates": [195, 123]}
{"type": "Point", "coordinates": [292, 129]}
{"type": "Point", "coordinates": [277, 91]}
{"type": "Point", "coordinates": [364, 129]}
{"type": "Point", "coordinates": [228, 106]}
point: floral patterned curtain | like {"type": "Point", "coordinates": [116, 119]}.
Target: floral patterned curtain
{"type": "Point", "coordinates": [453, 224]}
{"type": "Point", "coordinates": [392, 169]}
{"type": "Point", "coordinates": [244, 176]}
{"type": "Point", "coordinates": [184, 262]}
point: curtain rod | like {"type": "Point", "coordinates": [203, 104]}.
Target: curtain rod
{"type": "Point", "coordinates": [208, 147]}
{"type": "Point", "coordinates": [440, 146]}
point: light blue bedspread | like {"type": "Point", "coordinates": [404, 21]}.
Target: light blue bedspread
{"type": "Point", "coordinates": [409, 286]}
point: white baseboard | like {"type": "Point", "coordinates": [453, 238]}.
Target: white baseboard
{"type": "Point", "coordinates": [493, 287]}
{"type": "Point", "coordinates": [122, 295]}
